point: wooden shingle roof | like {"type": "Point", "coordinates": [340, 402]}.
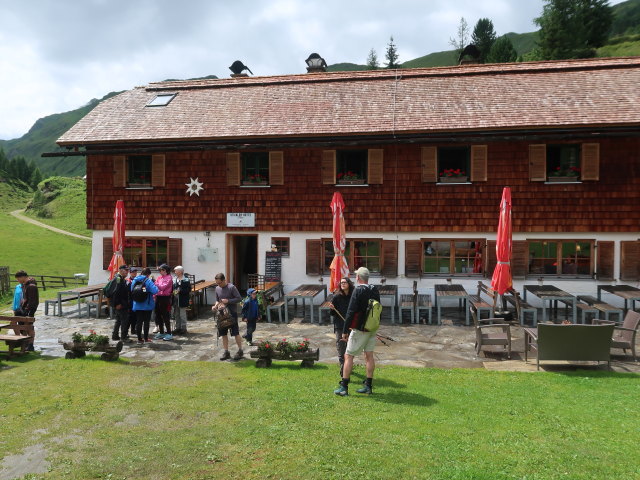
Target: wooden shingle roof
{"type": "Point", "coordinates": [469, 98]}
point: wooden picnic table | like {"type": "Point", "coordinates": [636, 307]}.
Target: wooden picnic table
{"type": "Point", "coordinates": [82, 292]}
{"type": "Point", "coordinates": [551, 293]}
{"type": "Point", "coordinates": [626, 292]}
{"type": "Point", "coordinates": [389, 291]}
{"type": "Point", "coordinates": [303, 292]}
{"type": "Point", "coordinates": [445, 291]}
{"type": "Point", "coordinates": [199, 292]}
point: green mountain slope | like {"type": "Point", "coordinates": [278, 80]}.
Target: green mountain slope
{"type": "Point", "coordinates": [42, 136]}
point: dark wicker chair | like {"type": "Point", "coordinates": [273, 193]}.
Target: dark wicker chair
{"type": "Point", "coordinates": [491, 332]}
{"type": "Point", "coordinates": [624, 336]}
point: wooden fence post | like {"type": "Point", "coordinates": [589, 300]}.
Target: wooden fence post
{"type": "Point", "coordinates": [5, 286]}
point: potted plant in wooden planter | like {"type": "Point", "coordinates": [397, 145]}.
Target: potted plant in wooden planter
{"type": "Point", "coordinates": [349, 178]}
{"type": "Point", "coordinates": [255, 180]}
{"type": "Point", "coordinates": [453, 175]}
{"type": "Point", "coordinates": [285, 350]}
{"type": "Point", "coordinates": [567, 174]}
{"type": "Point", "coordinates": [81, 344]}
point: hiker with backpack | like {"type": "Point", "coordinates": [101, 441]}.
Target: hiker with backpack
{"type": "Point", "coordinates": [117, 292]}
{"type": "Point", "coordinates": [228, 298]}
{"type": "Point", "coordinates": [339, 306]}
{"type": "Point", "coordinates": [360, 339]}
{"type": "Point", "coordinates": [142, 291]}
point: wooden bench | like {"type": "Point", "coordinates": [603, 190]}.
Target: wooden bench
{"type": "Point", "coordinates": [478, 304]}
{"type": "Point", "coordinates": [584, 309]}
{"type": "Point", "coordinates": [601, 306]}
{"type": "Point", "coordinates": [522, 307]}
{"type": "Point", "coordinates": [278, 306]}
{"type": "Point", "coordinates": [407, 302]}
{"type": "Point", "coordinates": [423, 302]}
{"type": "Point", "coordinates": [324, 307]}
{"type": "Point", "coordinates": [22, 336]}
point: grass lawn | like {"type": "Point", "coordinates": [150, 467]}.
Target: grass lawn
{"type": "Point", "coordinates": [205, 420]}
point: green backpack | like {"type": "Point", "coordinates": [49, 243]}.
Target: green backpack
{"type": "Point", "coordinates": [374, 311]}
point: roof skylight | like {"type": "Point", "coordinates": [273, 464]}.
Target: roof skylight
{"type": "Point", "coordinates": [161, 100]}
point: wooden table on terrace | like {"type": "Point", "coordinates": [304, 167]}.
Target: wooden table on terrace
{"type": "Point", "coordinates": [303, 292]}
{"type": "Point", "coordinates": [626, 292]}
{"type": "Point", "coordinates": [391, 292]}
{"type": "Point", "coordinates": [550, 293]}
{"type": "Point", "coordinates": [82, 292]}
{"type": "Point", "coordinates": [199, 292]}
{"type": "Point", "coordinates": [444, 291]}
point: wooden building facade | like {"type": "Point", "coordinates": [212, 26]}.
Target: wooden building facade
{"type": "Point", "coordinates": [213, 173]}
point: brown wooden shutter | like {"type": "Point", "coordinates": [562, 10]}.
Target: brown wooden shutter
{"type": "Point", "coordinates": [538, 163]}
{"type": "Point", "coordinates": [590, 168]}
{"type": "Point", "coordinates": [174, 255]}
{"type": "Point", "coordinates": [491, 258]}
{"type": "Point", "coordinates": [520, 259]}
{"type": "Point", "coordinates": [233, 168]}
{"type": "Point", "coordinates": [374, 166]}
{"type": "Point", "coordinates": [157, 170]}
{"type": "Point", "coordinates": [479, 163]}
{"type": "Point", "coordinates": [119, 171]}
{"type": "Point", "coordinates": [390, 258]}
{"type": "Point", "coordinates": [429, 164]}
{"type": "Point", "coordinates": [328, 168]}
{"type": "Point", "coordinates": [276, 168]}
{"type": "Point", "coordinates": [606, 253]}
{"type": "Point", "coordinates": [412, 258]}
{"type": "Point", "coordinates": [107, 252]}
{"type": "Point", "coordinates": [629, 264]}
{"type": "Point", "coordinates": [314, 257]}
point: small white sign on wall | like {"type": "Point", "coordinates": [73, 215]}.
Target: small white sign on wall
{"type": "Point", "coordinates": [241, 219]}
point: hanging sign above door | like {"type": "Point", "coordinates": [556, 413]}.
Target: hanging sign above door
{"type": "Point", "coordinates": [241, 219]}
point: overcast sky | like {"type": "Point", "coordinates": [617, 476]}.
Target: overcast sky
{"type": "Point", "coordinates": [56, 55]}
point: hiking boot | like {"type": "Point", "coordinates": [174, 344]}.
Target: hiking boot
{"type": "Point", "coordinates": [365, 389]}
{"type": "Point", "coordinates": [239, 354]}
{"type": "Point", "coordinates": [226, 355]}
{"type": "Point", "coordinates": [115, 337]}
{"type": "Point", "coordinates": [342, 391]}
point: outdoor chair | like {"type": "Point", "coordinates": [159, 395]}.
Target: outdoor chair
{"type": "Point", "coordinates": [624, 336]}
{"type": "Point", "coordinates": [491, 332]}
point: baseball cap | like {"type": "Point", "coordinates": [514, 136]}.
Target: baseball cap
{"type": "Point", "coordinates": [133, 269]}
{"type": "Point", "coordinates": [124, 267]}
{"type": "Point", "coordinates": [250, 291]}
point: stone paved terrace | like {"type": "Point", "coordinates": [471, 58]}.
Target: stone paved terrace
{"type": "Point", "coordinates": [450, 345]}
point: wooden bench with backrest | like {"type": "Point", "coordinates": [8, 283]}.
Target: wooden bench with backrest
{"type": "Point", "coordinates": [601, 306]}
{"type": "Point", "coordinates": [478, 304]}
{"type": "Point", "coordinates": [522, 307]}
{"type": "Point", "coordinates": [21, 336]}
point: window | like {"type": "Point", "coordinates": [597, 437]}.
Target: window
{"type": "Point", "coordinates": [255, 168]}
{"type": "Point", "coordinates": [577, 162]}
{"type": "Point", "coordinates": [351, 167]}
{"type": "Point", "coordinates": [143, 252]}
{"type": "Point", "coordinates": [139, 170]}
{"type": "Point", "coordinates": [563, 161]}
{"type": "Point", "coordinates": [452, 256]}
{"type": "Point", "coordinates": [453, 164]}
{"type": "Point", "coordinates": [561, 257]}
{"type": "Point", "coordinates": [358, 253]}
{"type": "Point", "coordinates": [161, 100]}
{"type": "Point", "coordinates": [282, 245]}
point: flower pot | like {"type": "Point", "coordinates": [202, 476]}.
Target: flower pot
{"type": "Point", "coordinates": [453, 179]}
{"type": "Point", "coordinates": [254, 184]}
{"type": "Point", "coordinates": [563, 179]}
{"type": "Point", "coordinates": [359, 181]}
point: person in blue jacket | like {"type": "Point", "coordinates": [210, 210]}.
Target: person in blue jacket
{"type": "Point", "coordinates": [17, 300]}
{"type": "Point", "coordinates": [144, 308]}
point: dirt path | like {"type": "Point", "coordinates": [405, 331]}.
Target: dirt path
{"type": "Point", "coordinates": [18, 214]}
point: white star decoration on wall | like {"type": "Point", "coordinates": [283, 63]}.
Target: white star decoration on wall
{"type": "Point", "coordinates": [194, 186]}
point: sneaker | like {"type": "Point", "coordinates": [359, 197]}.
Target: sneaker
{"type": "Point", "coordinates": [365, 389]}
{"type": "Point", "coordinates": [239, 354]}
{"type": "Point", "coordinates": [155, 329]}
{"type": "Point", "coordinates": [148, 340]}
{"type": "Point", "coordinates": [140, 342]}
{"type": "Point", "coordinates": [159, 336]}
{"type": "Point", "coordinates": [342, 391]}
{"type": "Point", "coordinates": [168, 336]}
{"type": "Point", "coordinates": [226, 355]}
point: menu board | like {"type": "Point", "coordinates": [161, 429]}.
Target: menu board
{"type": "Point", "coordinates": [273, 267]}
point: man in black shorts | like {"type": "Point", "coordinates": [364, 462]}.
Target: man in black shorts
{"type": "Point", "coordinates": [228, 296]}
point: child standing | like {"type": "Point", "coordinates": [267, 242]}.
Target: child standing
{"type": "Point", "coordinates": [250, 313]}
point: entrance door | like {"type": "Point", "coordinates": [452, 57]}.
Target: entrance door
{"type": "Point", "coordinates": [242, 259]}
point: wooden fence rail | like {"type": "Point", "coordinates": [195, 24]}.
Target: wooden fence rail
{"type": "Point", "coordinates": [51, 281]}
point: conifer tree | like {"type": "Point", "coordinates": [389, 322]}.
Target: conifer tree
{"type": "Point", "coordinates": [372, 60]}
{"type": "Point", "coordinates": [502, 51]}
{"type": "Point", "coordinates": [392, 55]}
{"type": "Point", "coordinates": [483, 37]}
{"type": "Point", "coordinates": [461, 39]}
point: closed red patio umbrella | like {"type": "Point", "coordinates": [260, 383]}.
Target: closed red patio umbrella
{"type": "Point", "coordinates": [117, 240]}
{"type": "Point", "coordinates": [339, 267]}
{"type": "Point", "coordinates": [502, 280]}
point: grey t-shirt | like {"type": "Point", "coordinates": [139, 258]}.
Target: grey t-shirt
{"type": "Point", "coordinates": [231, 293]}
